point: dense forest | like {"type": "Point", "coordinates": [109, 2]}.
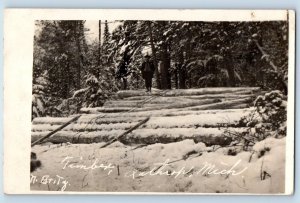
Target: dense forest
{"type": "Point", "coordinates": [69, 73]}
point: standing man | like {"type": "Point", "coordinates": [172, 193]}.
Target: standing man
{"type": "Point", "coordinates": [147, 72]}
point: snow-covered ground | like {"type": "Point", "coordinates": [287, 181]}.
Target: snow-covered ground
{"type": "Point", "coordinates": [137, 169]}
{"type": "Point", "coordinates": [181, 148]}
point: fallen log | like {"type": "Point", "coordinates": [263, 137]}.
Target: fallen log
{"type": "Point", "coordinates": [125, 133]}
{"type": "Point", "coordinates": [209, 136]}
{"type": "Point", "coordinates": [191, 120]}
{"type": "Point", "coordinates": [132, 117]}
{"type": "Point", "coordinates": [129, 93]}
{"type": "Point", "coordinates": [171, 102]}
{"type": "Point", "coordinates": [151, 107]}
{"type": "Point", "coordinates": [217, 96]}
{"type": "Point", "coordinates": [182, 92]}
{"type": "Point", "coordinates": [104, 110]}
{"type": "Point", "coordinates": [221, 105]}
{"type": "Point", "coordinates": [54, 122]}
{"type": "Point", "coordinates": [84, 127]}
{"type": "Point", "coordinates": [135, 98]}
{"type": "Point", "coordinates": [212, 90]}
{"type": "Point", "coordinates": [121, 103]}
{"type": "Point", "coordinates": [147, 106]}
{"type": "Point", "coordinates": [54, 131]}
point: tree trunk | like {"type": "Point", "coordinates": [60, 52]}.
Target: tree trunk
{"type": "Point", "coordinates": [80, 55]}
{"type": "Point", "coordinates": [157, 76]}
{"type": "Point", "coordinates": [181, 71]}
{"type": "Point", "coordinates": [188, 50]}
{"type": "Point", "coordinates": [176, 76]}
{"type": "Point", "coordinates": [168, 62]}
{"type": "Point", "coordinates": [66, 81]}
{"type": "Point", "coordinates": [124, 81]}
{"type": "Point", "coordinates": [165, 67]}
{"type": "Point", "coordinates": [229, 66]}
{"type": "Point", "coordinates": [99, 44]}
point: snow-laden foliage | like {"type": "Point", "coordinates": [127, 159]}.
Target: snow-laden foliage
{"type": "Point", "coordinates": [272, 109]}
{"type": "Point", "coordinates": [96, 91]}
{"type": "Point", "coordinates": [269, 119]}
{"type": "Point", "coordinates": [39, 96]}
{"type": "Point", "coordinates": [212, 74]}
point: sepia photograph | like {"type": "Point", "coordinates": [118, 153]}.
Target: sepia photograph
{"type": "Point", "coordinates": [160, 106]}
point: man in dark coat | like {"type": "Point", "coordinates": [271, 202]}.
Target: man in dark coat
{"type": "Point", "coordinates": [148, 72]}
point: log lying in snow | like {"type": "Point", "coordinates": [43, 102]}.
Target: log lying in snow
{"type": "Point", "coordinates": [222, 105]}
{"type": "Point", "coordinates": [122, 103]}
{"type": "Point", "coordinates": [112, 118]}
{"type": "Point", "coordinates": [89, 118]}
{"type": "Point", "coordinates": [218, 96]}
{"type": "Point", "coordinates": [104, 110]}
{"type": "Point", "coordinates": [122, 136]}
{"type": "Point", "coordinates": [215, 104]}
{"type": "Point", "coordinates": [178, 105]}
{"type": "Point", "coordinates": [186, 92]}
{"type": "Point", "coordinates": [209, 136]}
{"type": "Point", "coordinates": [84, 127]}
{"type": "Point", "coordinates": [135, 98]}
{"type": "Point", "coordinates": [153, 101]}
{"type": "Point", "coordinates": [209, 119]}
{"type": "Point", "coordinates": [216, 90]}
{"type": "Point", "coordinates": [174, 102]}
{"type": "Point", "coordinates": [183, 112]}
{"type": "Point", "coordinates": [237, 94]}
{"type": "Point", "coordinates": [54, 131]}
{"type": "Point", "coordinates": [196, 105]}
{"type": "Point", "coordinates": [129, 93]}
{"type": "Point", "coordinates": [162, 103]}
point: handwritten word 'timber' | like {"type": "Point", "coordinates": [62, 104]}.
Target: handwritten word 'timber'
{"type": "Point", "coordinates": [70, 162]}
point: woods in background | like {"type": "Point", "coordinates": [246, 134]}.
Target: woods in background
{"type": "Point", "coordinates": [69, 73]}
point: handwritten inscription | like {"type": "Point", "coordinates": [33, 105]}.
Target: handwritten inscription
{"type": "Point", "coordinates": [159, 169]}
{"type": "Point", "coordinates": [207, 169]}
{"type": "Point", "coordinates": [49, 180]}
{"type": "Point", "coordinates": [70, 162]}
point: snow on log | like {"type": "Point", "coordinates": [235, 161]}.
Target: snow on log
{"type": "Point", "coordinates": [84, 127]}
{"type": "Point", "coordinates": [135, 98]}
{"type": "Point", "coordinates": [138, 116]}
{"type": "Point", "coordinates": [175, 115]}
{"type": "Point", "coordinates": [202, 104]}
{"type": "Point", "coordinates": [173, 102]}
{"type": "Point", "coordinates": [129, 93]}
{"type": "Point", "coordinates": [190, 120]}
{"type": "Point", "coordinates": [213, 90]}
{"type": "Point", "coordinates": [122, 136]}
{"type": "Point", "coordinates": [104, 110]}
{"type": "Point", "coordinates": [94, 119]}
{"type": "Point", "coordinates": [217, 96]}
{"type": "Point", "coordinates": [161, 103]}
{"type": "Point", "coordinates": [187, 92]}
{"type": "Point", "coordinates": [221, 105]}
{"type": "Point", "coordinates": [178, 105]}
{"type": "Point", "coordinates": [209, 136]}
{"type": "Point", "coordinates": [54, 131]}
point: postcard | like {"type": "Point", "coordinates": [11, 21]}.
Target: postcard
{"type": "Point", "coordinates": [149, 101]}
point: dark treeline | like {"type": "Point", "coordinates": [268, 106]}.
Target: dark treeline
{"type": "Point", "coordinates": [69, 73]}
